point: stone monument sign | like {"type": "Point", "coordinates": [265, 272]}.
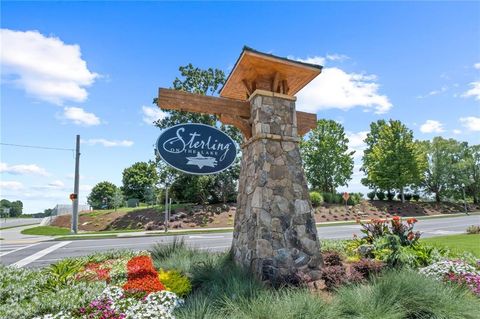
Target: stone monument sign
{"type": "Point", "coordinates": [275, 234]}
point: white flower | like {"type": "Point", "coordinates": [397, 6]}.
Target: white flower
{"type": "Point", "coordinates": [439, 269]}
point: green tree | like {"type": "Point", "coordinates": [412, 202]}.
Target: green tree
{"type": "Point", "coordinates": [466, 172]}
{"type": "Point", "coordinates": [472, 165]}
{"type": "Point", "coordinates": [118, 200]}
{"type": "Point", "coordinates": [15, 207]}
{"type": "Point", "coordinates": [149, 195]}
{"type": "Point", "coordinates": [328, 162]}
{"type": "Point", "coordinates": [370, 141]}
{"type": "Point", "coordinates": [394, 160]}
{"type": "Point", "coordinates": [102, 195]}
{"type": "Point", "coordinates": [186, 187]}
{"type": "Point", "coordinates": [137, 178]}
{"type": "Point", "coordinates": [443, 156]}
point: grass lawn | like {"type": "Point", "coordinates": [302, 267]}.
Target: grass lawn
{"type": "Point", "coordinates": [46, 231]}
{"type": "Point", "coordinates": [457, 244]}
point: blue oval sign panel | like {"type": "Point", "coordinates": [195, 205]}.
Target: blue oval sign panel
{"type": "Point", "coordinates": [196, 148]}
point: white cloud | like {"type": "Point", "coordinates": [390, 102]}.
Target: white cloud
{"type": "Point", "coordinates": [337, 57]}
{"type": "Point", "coordinates": [477, 66]}
{"type": "Point", "coordinates": [152, 114]}
{"type": "Point", "coordinates": [319, 60]}
{"type": "Point", "coordinates": [356, 142]}
{"type": "Point", "coordinates": [10, 185]}
{"type": "Point", "coordinates": [23, 169]}
{"type": "Point", "coordinates": [80, 117]}
{"type": "Point", "coordinates": [335, 88]}
{"type": "Point", "coordinates": [56, 184]}
{"type": "Point", "coordinates": [434, 92]}
{"type": "Point", "coordinates": [431, 126]}
{"type": "Point", "coordinates": [107, 143]}
{"type": "Point", "coordinates": [471, 123]}
{"type": "Point", "coordinates": [474, 91]}
{"type": "Point", "coordinates": [457, 131]}
{"type": "Point", "coordinates": [45, 67]}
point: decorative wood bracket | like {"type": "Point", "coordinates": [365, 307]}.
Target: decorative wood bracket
{"type": "Point", "coordinates": [242, 124]}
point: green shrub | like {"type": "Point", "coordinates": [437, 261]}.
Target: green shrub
{"type": "Point", "coordinates": [371, 195]}
{"type": "Point", "coordinates": [220, 276]}
{"type": "Point", "coordinates": [283, 304]}
{"type": "Point", "coordinates": [337, 199]}
{"type": "Point", "coordinates": [316, 198]}
{"type": "Point", "coordinates": [473, 229]}
{"type": "Point", "coordinates": [328, 198]}
{"type": "Point", "coordinates": [160, 252]}
{"type": "Point", "coordinates": [390, 195]}
{"type": "Point", "coordinates": [355, 198]}
{"type": "Point", "coordinates": [26, 293]}
{"type": "Point", "coordinates": [177, 255]}
{"type": "Point", "coordinates": [405, 294]}
{"type": "Point", "coordinates": [339, 246]}
{"type": "Point", "coordinates": [175, 282]}
{"type": "Point", "coordinates": [62, 273]}
{"type": "Point", "coordinates": [380, 195]}
{"type": "Point", "coordinates": [416, 197]}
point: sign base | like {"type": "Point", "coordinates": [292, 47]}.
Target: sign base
{"type": "Point", "coordinates": [275, 234]}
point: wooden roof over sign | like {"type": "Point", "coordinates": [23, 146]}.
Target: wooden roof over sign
{"type": "Point", "coordinates": [256, 70]}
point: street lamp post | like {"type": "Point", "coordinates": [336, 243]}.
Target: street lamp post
{"type": "Point", "coordinates": [464, 200]}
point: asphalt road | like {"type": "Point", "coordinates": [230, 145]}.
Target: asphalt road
{"type": "Point", "coordinates": [43, 253]}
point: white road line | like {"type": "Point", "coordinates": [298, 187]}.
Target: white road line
{"type": "Point", "coordinates": [10, 245]}
{"type": "Point", "coordinates": [213, 247]}
{"type": "Point", "coordinates": [39, 254]}
{"type": "Point", "coordinates": [12, 251]}
{"type": "Point", "coordinates": [204, 237]}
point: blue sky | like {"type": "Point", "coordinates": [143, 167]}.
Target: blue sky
{"type": "Point", "coordinates": [93, 68]}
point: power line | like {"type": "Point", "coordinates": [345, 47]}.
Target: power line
{"type": "Point", "coordinates": [39, 147]}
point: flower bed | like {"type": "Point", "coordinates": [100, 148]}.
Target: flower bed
{"type": "Point", "coordinates": [122, 287]}
{"type": "Point", "coordinates": [455, 271]}
{"type": "Point", "coordinates": [357, 275]}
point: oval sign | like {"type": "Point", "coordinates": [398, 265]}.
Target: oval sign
{"type": "Point", "coordinates": [195, 148]}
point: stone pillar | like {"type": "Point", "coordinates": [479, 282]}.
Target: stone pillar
{"type": "Point", "coordinates": [275, 234]}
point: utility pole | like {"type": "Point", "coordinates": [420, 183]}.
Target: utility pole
{"type": "Point", "coordinates": [76, 187]}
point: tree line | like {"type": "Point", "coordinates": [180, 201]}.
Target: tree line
{"type": "Point", "coordinates": [393, 161]}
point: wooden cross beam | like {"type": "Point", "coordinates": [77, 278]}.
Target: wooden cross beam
{"type": "Point", "coordinates": [230, 111]}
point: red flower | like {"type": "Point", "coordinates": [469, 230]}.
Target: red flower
{"type": "Point", "coordinates": [101, 271]}
{"type": "Point", "coordinates": [411, 220]}
{"type": "Point", "coordinates": [142, 276]}
{"type": "Point", "coordinates": [410, 236]}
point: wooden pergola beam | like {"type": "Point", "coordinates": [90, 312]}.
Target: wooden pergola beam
{"type": "Point", "coordinates": [169, 99]}
{"type": "Point", "coordinates": [230, 111]}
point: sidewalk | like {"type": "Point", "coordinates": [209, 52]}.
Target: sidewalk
{"type": "Point", "coordinates": [13, 236]}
